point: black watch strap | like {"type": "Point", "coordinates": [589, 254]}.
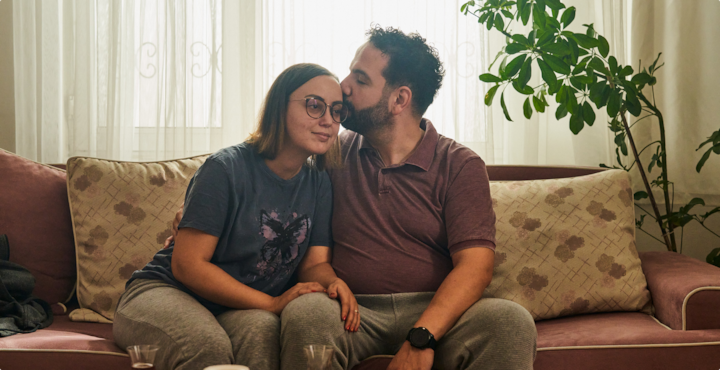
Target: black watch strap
{"type": "Point", "coordinates": [421, 338]}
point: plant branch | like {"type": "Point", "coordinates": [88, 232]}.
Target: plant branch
{"type": "Point", "coordinates": [647, 184]}
{"type": "Point", "coordinates": [650, 235]}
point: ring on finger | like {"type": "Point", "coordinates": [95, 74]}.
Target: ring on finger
{"type": "Point", "coordinates": [356, 311]}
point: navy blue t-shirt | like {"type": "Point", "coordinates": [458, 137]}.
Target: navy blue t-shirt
{"type": "Point", "coordinates": [264, 223]}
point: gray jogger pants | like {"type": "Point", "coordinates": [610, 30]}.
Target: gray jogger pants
{"type": "Point", "coordinates": [189, 336]}
{"type": "Point", "coordinates": [493, 334]}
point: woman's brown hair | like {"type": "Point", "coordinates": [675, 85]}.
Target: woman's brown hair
{"type": "Point", "coordinates": [270, 133]}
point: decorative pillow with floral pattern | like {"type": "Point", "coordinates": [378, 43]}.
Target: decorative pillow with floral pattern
{"type": "Point", "coordinates": [567, 246]}
{"type": "Point", "coordinates": [122, 213]}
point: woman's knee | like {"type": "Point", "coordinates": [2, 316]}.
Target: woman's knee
{"type": "Point", "coordinates": [312, 309]}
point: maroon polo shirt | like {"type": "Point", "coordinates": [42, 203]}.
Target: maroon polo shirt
{"type": "Point", "coordinates": [395, 227]}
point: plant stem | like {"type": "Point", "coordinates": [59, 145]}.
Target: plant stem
{"type": "Point", "coordinates": [668, 203]}
{"type": "Point", "coordinates": [647, 184]}
{"type": "Point", "coordinates": [706, 228]}
{"type": "Point", "coordinates": [650, 235]}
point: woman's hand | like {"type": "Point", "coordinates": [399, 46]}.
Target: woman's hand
{"type": "Point", "coordinates": [349, 306]}
{"type": "Point", "coordinates": [279, 303]}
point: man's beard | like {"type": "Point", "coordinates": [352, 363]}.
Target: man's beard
{"type": "Point", "coordinates": [370, 120]}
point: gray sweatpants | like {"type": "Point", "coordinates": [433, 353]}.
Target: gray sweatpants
{"type": "Point", "coordinates": [189, 336]}
{"type": "Point", "coordinates": [492, 334]}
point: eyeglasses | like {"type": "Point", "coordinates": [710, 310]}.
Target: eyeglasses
{"type": "Point", "coordinates": [316, 108]}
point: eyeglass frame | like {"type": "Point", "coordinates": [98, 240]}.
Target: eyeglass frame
{"type": "Point", "coordinates": [324, 109]}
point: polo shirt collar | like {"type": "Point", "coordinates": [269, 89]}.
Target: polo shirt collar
{"type": "Point", "coordinates": [425, 152]}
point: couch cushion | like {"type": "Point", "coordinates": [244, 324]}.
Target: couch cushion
{"type": "Point", "coordinates": [567, 246]}
{"type": "Point", "coordinates": [122, 213]}
{"type": "Point", "coordinates": [622, 340]}
{"type": "Point", "coordinates": [64, 345]}
{"type": "Point", "coordinates": [34, 214]}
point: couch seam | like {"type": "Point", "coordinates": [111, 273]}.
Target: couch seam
{"type": "Point", "coordinates": [660, 323]}
{"type": "Point", "coordinates": [687, 298]}
{"type": "Point", "coordinates": [612, 346]}
{"type": "Point", "coordinates": [63, 351]}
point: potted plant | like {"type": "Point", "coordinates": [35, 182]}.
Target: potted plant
{"type": "Point", "coordinates": [578, 72]}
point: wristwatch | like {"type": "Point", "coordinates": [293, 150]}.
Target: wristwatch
{"type": "Point", "coordinates": [421, 338]}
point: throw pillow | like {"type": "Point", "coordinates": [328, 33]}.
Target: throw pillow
{"type": "Point", "coordinates": [567, 246]}
{"type": "Point", "coordinates": [122, 213]}
{"type": "Point", "coordinates": [35, 215]}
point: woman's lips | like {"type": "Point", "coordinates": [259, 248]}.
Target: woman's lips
{"type": "Point", "coordinates": [323, 136]}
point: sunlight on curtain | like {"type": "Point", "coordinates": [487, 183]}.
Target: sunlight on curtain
{"type": "Point", "coordinates": [131, 80]}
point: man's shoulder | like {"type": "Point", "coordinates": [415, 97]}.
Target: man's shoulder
{"type": "Point", "coordinates": [455, 153]}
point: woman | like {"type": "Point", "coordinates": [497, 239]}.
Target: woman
{"type": "Point", "coordinates": [254, 214]}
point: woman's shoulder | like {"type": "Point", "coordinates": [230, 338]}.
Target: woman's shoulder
{"type": "Point", "coordinates": [231, 155]}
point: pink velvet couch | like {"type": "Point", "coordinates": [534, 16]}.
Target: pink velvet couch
{"type": "Point", "coordinates": [684, 334]}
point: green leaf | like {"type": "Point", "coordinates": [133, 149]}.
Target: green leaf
{"type": "Point", "coordinates": [504, 108]}
{"type": "Point", "coordinates": [576, 122]}
{"type": "Point", "coordinates": [598, 65]}
{"type": "Point", "coordinates": [620, 142]}
{"type": "Point", "coordinates": [525, 14]}
{"type": "Point", "coordinates": [702, 161]}
{"type": "Point", "coordinates": [490, 95]}
{"type": "Point", "coordinates": [547, 73]}
{"type": "Point", "coordinates": [552, 23]}
{"type": "Point", "coordinates": [520, 39]}
{"type": "Point", "coordinates": [568, 16]}
{"type": "Point", "coordinates": [588, 114]}
{"type": "Point", "coordinates": [514, 66]}
{"type": "Point", "coordinates": [462, 8]}
{"type": "Point", "coordinates": [575, 50]}
{"type": "Point", "coordinates": [557, 48]}
{"type": "Point", "coordinates": [561, 111]}
{"type": "Point", "coordinates": [633, 104]}
{"type": "Point", "coordinates": [507, 14]}
{"type": "Point", "coordinates": [544, 38]}
{"type": "Point", "coordinates": [562, 95]}
{"type": "Point", "coordinates": [604, 47]}
{"type": "Point", "coordinates": [640, 195]}
{"type": "Point", "coordinates": [525, 73]}
{"type": "Point", "coordinates": [586, 41]}
{"type": "Point", "coordinates": [651, 69]}
{"type": "Point", "coordinates": [554, 4]}
{"type": "Point", "coordinates": [538, 15]}
{"type": "Point", "coordinates": [596, 91]}
{"type": "Point", "coordinates": [489, 77]}
{"type": "Point", "coordinates": [484, 17]}
{"type": "Point", "coordinates": [499, 23]}
{"type": "Point", "coordinates": [525, 90]}
{"type": "Point", "coordinates": [613, 103]}
{"type": "Point", "coordinates": [515, 48]}
{"type": "Point", "coordinates": [557, 64]}
{"type": "Point", "coordinates": [490, 21]}
{"type": "Point", "coordinates": [641, 78]}
{"type": "Point", "coordinates": [527, 109]}
{"type": "Point", "coordinates": [713, 257]}
{"type": "Point", "coordinates": [613, 65]}
{"type": "Point", "coordinates": [605, 96]}
{"type": "Point", "coordinates": [539, 105]}
{"type": "Point", "coordinates": [626, 71]}
{"type": "Point", "coordinates": [554, 87]}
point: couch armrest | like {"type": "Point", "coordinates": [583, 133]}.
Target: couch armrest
{"type": "Point", "coordinates": [685, 291]}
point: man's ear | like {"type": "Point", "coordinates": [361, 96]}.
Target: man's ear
{"type": "Point", "coordinates": [402, 100]}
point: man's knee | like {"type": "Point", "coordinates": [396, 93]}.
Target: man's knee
{"type": "Point", "coordinates": [499, 317]}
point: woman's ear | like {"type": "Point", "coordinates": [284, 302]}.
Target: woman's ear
{"type": "Point", "coordinates": [402, 100]}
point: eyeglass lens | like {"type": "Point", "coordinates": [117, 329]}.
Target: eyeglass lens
{"type": "Point", "coordinates": [316, 109]}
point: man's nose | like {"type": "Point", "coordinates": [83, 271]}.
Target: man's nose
{"type": "Point", "coordinates": [345, 86]}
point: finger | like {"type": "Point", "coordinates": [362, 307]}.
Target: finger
{"type": "Point", "coordinates": [167, 242]}
{"type": "Point", "coordinates": [332, 291]}
{"type": "Point", "coordinates": [357, 319]}
{"type": "Point", "coordinates": [345, 312]}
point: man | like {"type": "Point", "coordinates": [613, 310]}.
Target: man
{"type": "Point", "coordinates": [414, 232]}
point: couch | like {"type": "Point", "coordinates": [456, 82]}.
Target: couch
{"type": "Point", "coordinates": [683, 333]}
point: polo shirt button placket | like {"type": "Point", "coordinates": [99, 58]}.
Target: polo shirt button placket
{"type": "Point", "coordinates": [382, 181]}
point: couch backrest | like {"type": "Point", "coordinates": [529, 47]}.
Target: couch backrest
{"type": "Point", "coordinates": [521, 173]}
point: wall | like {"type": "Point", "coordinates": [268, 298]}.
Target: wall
{"type": "Point", "coordinates": [7, 87]}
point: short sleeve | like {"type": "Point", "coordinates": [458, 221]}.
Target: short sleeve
{"type": "Point", "coordinates": [469, 215]}
{"type": "Point", "coordinates": [207, 199]}
{"type": "Point", "coordinates": [321, 234]}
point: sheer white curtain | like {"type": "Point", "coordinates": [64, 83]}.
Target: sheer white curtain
{"type": "Point", "coordinates": [328, 33]}
{"type": "Point", "coordinates": [132, 80]}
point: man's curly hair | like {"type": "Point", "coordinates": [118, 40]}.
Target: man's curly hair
{"type": "Point", "coordinates": [412, 63]}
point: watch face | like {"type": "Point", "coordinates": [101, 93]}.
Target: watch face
{"type": "Point", "coordinates": [419, 337]}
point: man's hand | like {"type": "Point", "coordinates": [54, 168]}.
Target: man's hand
{"type": "Point", "coordinates": [349, 306]}
{"type": "Point", "coordinates": [411, 358]}
{"type": "Point", "coordinates": [176, 222]}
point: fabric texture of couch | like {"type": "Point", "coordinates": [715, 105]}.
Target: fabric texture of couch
{"type": "Point", "coordinates": [684, 332]}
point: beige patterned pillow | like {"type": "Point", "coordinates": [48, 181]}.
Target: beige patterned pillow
{"type": "Point", "coordinates": [567, 246]}
{"type": "Point", "coordinates": [122, 213]}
